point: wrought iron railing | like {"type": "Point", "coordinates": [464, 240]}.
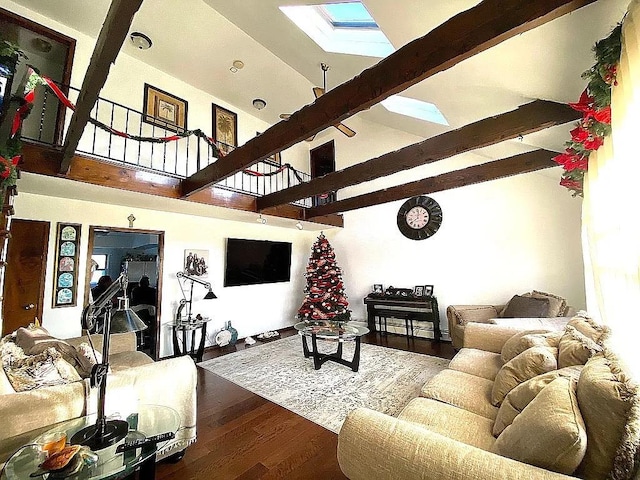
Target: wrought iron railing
{"type": "Point", "coordinates": [180, 157]}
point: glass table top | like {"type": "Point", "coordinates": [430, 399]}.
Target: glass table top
{"type": "Point", "coordinates": [330, 331]}
{"type": "Point", "coordinates": [145, 421]}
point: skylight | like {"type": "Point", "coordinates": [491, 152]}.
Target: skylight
{"type": "Point", "coordinates": [414, 108]}
{"type": "Point", "coordinates": [341, 28]}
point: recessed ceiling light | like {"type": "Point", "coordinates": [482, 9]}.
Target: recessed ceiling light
{"type": "Point", "coordinates": [140, 41]}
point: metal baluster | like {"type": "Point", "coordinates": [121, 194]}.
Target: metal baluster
{"type": "Point", "coordinates": [186, 165]}
{"type": "Point", "coordinates": [139, 142]}
{"type": "Point", "coordinates": [95, 129]}
{"type": "Point", "coordinates": [126, 130]}
{"type": "Point", "coordinates": [164, 153]}
{"type": "Point", "coordinates": [110, 134]}
{"type": "Point", "coordinates": [42, 114]}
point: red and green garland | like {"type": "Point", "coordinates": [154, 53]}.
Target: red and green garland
{"type": "Point", "coordinates": [595, 105]}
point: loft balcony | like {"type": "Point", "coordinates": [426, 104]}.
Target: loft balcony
{"type": "Point", "coordinates": [119, 149]}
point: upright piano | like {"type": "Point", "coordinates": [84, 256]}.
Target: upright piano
{"type": "Point", "coordinates": [410, 309]}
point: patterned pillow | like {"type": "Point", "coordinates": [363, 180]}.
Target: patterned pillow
{"type": "Point", "coordinates": [43, 370]}
{"type": "Point", "coordinates": [37, 339]}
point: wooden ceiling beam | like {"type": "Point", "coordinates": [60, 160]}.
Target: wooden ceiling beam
{"type": "Point", "coordinates": [529, 118]}
{"type": "Point", "coordinates": [112, 36]}
{"type": "Point", "coordinates": [464, 35]}
{"type": "Point", "coordinates": [523, 163]}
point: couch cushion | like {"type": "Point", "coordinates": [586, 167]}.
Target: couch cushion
{"type": "Point", "coordinates": [522, 341]}
{"type": "Point", "coordinates": [449, 421]}
{"type": "Point", "coordinates": [610, 404]}
{"type": "Point", "coordinates": [575, 348]}
{"type": "Point", "coordinates": [557, 304]}
{"type": "Point", "coordinates": [477, 362]}
{"type": "Point", "coordinates": [520, 306]}
{"type": "Point", "coordinates": [518, 398]}
{"type": "Point", "coordinates": [462, 390]}
{"type": "Point", "coordinates": [530, 363]}
{"type": "Point", "coordinates": [125, 360]}
{"type": "Point", "coordinates": [550, 432]}
{"type": "Point", "coordinates": [42, 370]}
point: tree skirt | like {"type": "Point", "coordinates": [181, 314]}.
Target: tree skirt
{"type": "Point", "coordinates": [386, 381]}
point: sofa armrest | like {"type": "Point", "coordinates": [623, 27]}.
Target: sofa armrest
{"type": "Point", "coordinates": [489, 337]}
{"type": "Point", "coordinates": [375, 446]}
{"type": "Point", "coordinates": [463, 314]}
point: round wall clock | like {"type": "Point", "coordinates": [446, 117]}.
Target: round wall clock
{"type": "Point", "coordinates": [419, 218]}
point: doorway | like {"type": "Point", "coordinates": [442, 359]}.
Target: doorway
{"type": "Point", "coordinates": [51, 53]}
{"type": "Point", "coordinates": [140, 253]}
{"type": "Point", "coordinates": [25, 274]}
{"type": "Point", "coordinates": [323, 161]}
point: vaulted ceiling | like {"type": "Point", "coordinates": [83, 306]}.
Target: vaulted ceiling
{"type": "Point", "coordinates": [198, 42]}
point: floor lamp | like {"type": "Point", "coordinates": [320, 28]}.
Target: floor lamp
{"type": "Point", "coordinates": [209, 296]}
{"type": "Point", "coordinates": [107, 432]}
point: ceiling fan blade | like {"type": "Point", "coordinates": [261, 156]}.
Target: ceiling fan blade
{"type": "Point", "coordinates": [318, 92]}
{"type": "Point", "coordinates": [344, 129]}
{"type": "Point", "coordinates": [285, 116]}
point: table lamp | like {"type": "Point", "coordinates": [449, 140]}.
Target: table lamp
{"type": "Point", "coordinates": [209, 296]}
{"type": "Point", "coordinates": [105, 433]}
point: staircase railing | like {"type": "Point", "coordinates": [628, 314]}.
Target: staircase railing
{"type": "Point", "coordinates": [181, 156]}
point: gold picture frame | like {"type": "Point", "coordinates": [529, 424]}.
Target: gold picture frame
{"type": "Point", "coordinates": [164, 110]}
{"type": "Point", "coordinates": [225, 128]}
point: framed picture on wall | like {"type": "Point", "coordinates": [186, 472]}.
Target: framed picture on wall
{"type": "Point", "coordinates": [418, 291]}
{"type": "Point", "coordinates": [196, 262]}
{"type": "Point", "coordinates": [164, 110]}
{"type": "Point", "coordinates": [225, 128]}
{"type": "Point", "coordinates": [428, 290]}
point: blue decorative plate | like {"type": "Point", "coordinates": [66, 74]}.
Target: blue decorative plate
{"type": "Point", "coordinates": [64, 296]}
{"type": "Point", "coordinates": [68, 249]}
{"type": "Point", "coordinates": [65, 280]}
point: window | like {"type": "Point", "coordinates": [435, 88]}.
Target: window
{"type": "Point", "coordinates": [414, 108]}
{"type": "Point", "coordinates": [346, 27]}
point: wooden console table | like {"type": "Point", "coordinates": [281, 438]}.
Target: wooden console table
{"type": "Point", "coordinates": [409, 309]}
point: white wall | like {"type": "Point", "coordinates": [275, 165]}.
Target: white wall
{"type": "Point", "coordinates": [251, 309]}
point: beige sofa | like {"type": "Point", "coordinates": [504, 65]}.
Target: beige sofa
{"type": "Point", "coordinates": [556, 317]}
{"type": "Point", "coordinates": [448, 432]}
{"type": "Point", "coordinates": [134, 379]}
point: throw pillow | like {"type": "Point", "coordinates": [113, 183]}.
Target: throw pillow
{"type": "Point", "coordinates": [550, 432]}
{"type": "Point", "coordinates": [557, 305]}
{"type": "Point", "coordinates": [529, 364]}
{"type": "Point", "coordinates": [610, 404]}
{"type": "Point", "coordinates": [43, 370]}
{"type": "Point", "coordinates": [522, 341]}
{"type": "Point", "coordinates": [518, 398]}
{"type": "Point", "coordinates": [87, 358]}
{"type": "Point", "coordinates": [575, 348]}
{"type": "Point", "coordinates": [589, 327]}
{"type": "Point", "coordinates": [526, 307]}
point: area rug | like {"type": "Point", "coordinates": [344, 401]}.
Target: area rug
{"type": "Point", "coordinates": [386, 381]}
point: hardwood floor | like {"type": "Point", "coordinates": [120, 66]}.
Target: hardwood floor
{"type": "Point", "coordinates": [243, 436]}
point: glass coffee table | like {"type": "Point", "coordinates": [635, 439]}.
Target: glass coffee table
{"type": "Point", "coordinates": [146, 421]}
{"type": "Point", "coordinates": [335, 332]}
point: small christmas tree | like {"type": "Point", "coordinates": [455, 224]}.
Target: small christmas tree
{"type": "Point", "coordinates": [324, 293]}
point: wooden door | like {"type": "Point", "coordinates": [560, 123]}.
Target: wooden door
{"type": "Point", "coordinates": [323, 161]}
{"type": "Point", "coordinates": [25, 274]}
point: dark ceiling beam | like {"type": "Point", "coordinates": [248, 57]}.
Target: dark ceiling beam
{"type": "Point", "coordinates": [529, 118]}
{"type": "Point", "coordinates": [464, 35]}
{"type": "Point", "coordinates": [112, 36]}
{"type": "Point", "coordinates": [523, 163]}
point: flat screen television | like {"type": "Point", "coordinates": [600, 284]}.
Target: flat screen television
{"type": "Point", "coordinates": [253, 262]}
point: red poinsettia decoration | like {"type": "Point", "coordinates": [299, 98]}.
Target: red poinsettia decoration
{"type": "Point", "coordinates": [8, 166]}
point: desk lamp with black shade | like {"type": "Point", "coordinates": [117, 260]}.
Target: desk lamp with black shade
{"type": "Point", "coordinates": [184, 302]}
{"type": "Point", "coordinates": [105, 433]}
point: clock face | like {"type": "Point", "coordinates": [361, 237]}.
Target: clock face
{"type": "Point", "coordinates": [419, 218]}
